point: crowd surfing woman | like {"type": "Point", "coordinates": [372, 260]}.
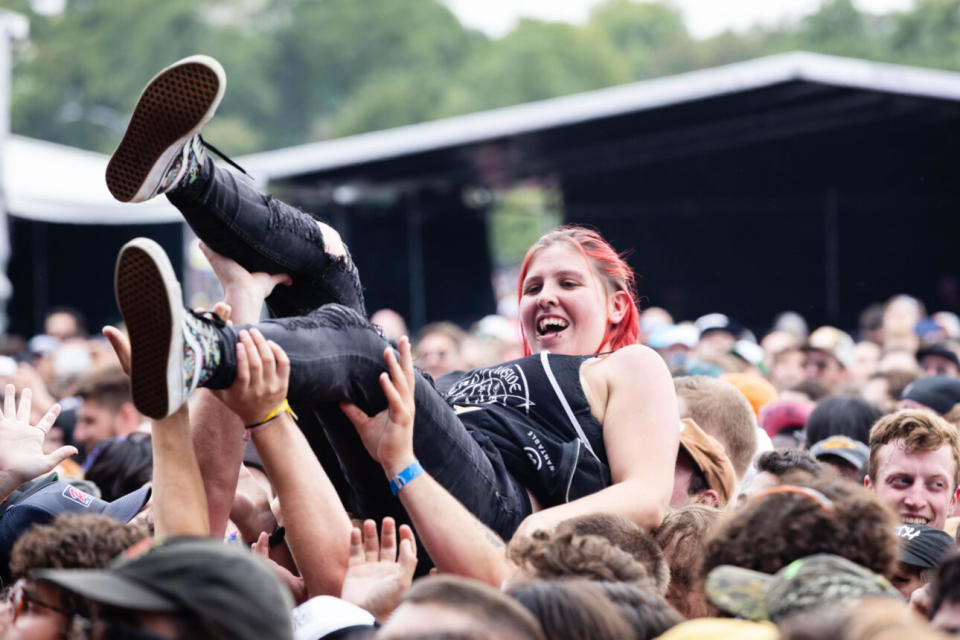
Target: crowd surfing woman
{"type": "Point", "coordinates": [587, 422]}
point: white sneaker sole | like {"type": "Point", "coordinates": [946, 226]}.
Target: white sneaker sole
{"type": "Point", "coordinates": [173, 107]}
{"type": "Point", "coordinates": [151, 304]}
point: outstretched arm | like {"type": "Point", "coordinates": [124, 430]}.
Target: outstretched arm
{"type": "Point", "coordinates": [21, 443]}
{"type": "Point", "coordinates": [179, 501]}
{"type": "Point", "coordinates": [455, 539]}
{"type": "Point", "coordinates": [317, 526]}
{"type": "Point", "coordinates": [217, 431]}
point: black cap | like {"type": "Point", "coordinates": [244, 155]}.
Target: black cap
{"type": "Point", "coordinates": [941, 350]}
{"type": "Point", "coordinates": [43, 501]}
{"type": "Point", "coordinates": [939, 393]}
{"type": "Point", "coordinates": [222, 586]}
{"type": "Point", "coordinates": [922, 545]}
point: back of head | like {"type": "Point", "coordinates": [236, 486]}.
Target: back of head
{"type": "Point", "coordinates": [109, 387]}
{"type": "Point", "coordinates": [919, 430]}
{"type": "Point", "coordinates": [122, 465]}
{"type": "Point", "coordinates": [647, 613]}
{"type": "Point", "coordinates": [723, 412]}
{"type": "Point", "coordinates": [682, 535]}
{"type": "Point", "coordinates": [626, 535]}
{"type": "Point", "coordinates": [845, 416]}
{"type": "Point", "coordinates": [87, 541]}
{"type": "Point", "coordinates": [617, 275]}
{"type": "Point", "coordinates": [789, 522]}
{"type": "Point", "coordinates": [493, 613]}
{"type": "Point", "coordinates": [871, 618]}
{"type": "Point", "coordinates": [572, 609]}
{"type": "Point", "coordinates": [563, 554]}
{"type": "Point", "coordinates": [780, 462]}
{"type": "Point", "coordinates": [945, 584]}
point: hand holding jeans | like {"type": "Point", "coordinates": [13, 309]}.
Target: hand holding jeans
{"type": "Point", "coordinates": [388, 435]}
{"type": "Point", "coordinates": [263, 372]}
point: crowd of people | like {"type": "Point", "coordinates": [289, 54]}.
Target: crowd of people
{"type": "Point", "coordinates": [285, 465]}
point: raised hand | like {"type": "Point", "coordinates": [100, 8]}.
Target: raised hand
{"type": "Point", "coordinates": [21, 443]}
{"type": "Point", "coordinates": [377, 576]}
{"type": "Point", "coordinates": [242, 290]}
{"type": "Point", "coordinates": [294, 583]}
{"type": "Point", "coordinates": [263, 372]}
{"type": "Point", "coordinates": [388, 435]}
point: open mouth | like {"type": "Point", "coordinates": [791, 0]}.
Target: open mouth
{"type": "Point", "coordinates": [913, 520]}
{"type": "Point", "coordinates": [551, 325]}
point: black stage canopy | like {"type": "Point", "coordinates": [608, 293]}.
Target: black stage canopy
{"type": "Point", "coordinates": [798, 181]}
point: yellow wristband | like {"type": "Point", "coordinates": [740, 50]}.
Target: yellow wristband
{"type": "Point", "coordinates": [281, 408]}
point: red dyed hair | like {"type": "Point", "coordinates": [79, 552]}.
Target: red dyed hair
{"type": "Point", "coordinates": [606, 262]}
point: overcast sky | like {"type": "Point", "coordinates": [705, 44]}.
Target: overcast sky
{"type": "Point", "coordinates": [704, 17]}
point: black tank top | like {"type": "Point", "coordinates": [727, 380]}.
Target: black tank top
{"type": "Point", "coordinates": [536, 414]}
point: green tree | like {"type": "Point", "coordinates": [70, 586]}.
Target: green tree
{"type": "Point", "coordinates": [536, 60]}
{"type": "Point", "coordinates": [642, 32]}
{"type": "Point", "coordinates": [82, 69]}
{"type": "Point", "coordinates": [328, 50]}
{"type": "Point", "coordinates": [929, 35]}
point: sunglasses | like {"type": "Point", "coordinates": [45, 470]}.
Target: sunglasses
{"type": "Point", "coordinates": [78, 626]}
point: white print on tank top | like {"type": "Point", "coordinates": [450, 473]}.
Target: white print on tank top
{"type": "Point", "coordinates": [506, 386]}
{"type": "Point", "coordinates": [539, 454]}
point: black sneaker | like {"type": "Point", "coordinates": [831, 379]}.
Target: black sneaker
{"type": "Point", "coordinates": [172, 350]}
{"type": "Point", "coordinates": [161, 146]}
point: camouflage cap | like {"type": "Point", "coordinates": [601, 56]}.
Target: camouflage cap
{"type": "Point", "coordinates": [806, 583]}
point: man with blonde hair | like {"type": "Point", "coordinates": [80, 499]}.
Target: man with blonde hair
{"type": "Point", "coordinates": [913, 466]}
{"type": "Point", "coordinates": [724, 413]}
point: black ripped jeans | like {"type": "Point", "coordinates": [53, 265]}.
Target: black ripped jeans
{"type": "Point", "coordinates": [336, 355]}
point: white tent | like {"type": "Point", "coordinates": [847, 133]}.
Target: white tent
{"type": "Point", "coordinates": [51, 182]}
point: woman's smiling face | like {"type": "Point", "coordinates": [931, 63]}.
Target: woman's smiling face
{"type": "Point", "coordinates": [563, 305]}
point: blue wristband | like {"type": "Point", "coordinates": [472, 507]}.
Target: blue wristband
{"type": "Point", "coordinates": [403, 478]}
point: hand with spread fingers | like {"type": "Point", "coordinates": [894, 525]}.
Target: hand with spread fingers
{"type": "Point", "coordinates": [21, 443]}
{"type": "Point", "coordinates": [377, 575]}
{"type": "Point", "coordinates": [263, 372]}
{"type": "Point", "coordinates": [243, 290]}
{"type": "Point", "coordinates": [388, 435]}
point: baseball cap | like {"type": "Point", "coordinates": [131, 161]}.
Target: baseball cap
{"type": "Point", "coordinates": [710, 457]}
{"type": "Point", "coordinates": [803, 584]}
{"type": "Point", "coordinates": [922, 545]}
{"type": "Point", "coordinates": [784, 414]}
{"type": "Point", "coordinates": [327, 617]}
{"type": "Point", "coordinates": [45, 500]}
{"type": "Point", "coordinates": [939, 349]}
{"type": "Point", "coordinates": [834, 341]}
{"type": "Point", "coordinates": [846, 448]}
{"type": "Point", "coordinates": [223, 586]}
{"type": "Point", "coordinates": [718, 322]}
{"type": "Point", "coordinates": [758, 391]}
{"type": "Point", "coordinates": [668, 335]}
{"type": "Point", "coordinates": [939, 393]}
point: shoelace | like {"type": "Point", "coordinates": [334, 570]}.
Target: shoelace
{"type": "Point", "coordinates": [223, 156]}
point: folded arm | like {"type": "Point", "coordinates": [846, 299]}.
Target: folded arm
{"type": "Point", "coordinates": [641, 434]}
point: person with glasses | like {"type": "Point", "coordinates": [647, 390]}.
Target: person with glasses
{"type": "Point", "coordinates": [184, 588]}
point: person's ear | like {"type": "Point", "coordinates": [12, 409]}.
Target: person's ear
{"type": "Point", "coordinates": [617, 306]}
{"type": "Point", "coordinates": [129, 417]}
{"type": "Point", "coordinates": [708, 497]}
{"type": "Point", "coordinates": [953, 503]}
